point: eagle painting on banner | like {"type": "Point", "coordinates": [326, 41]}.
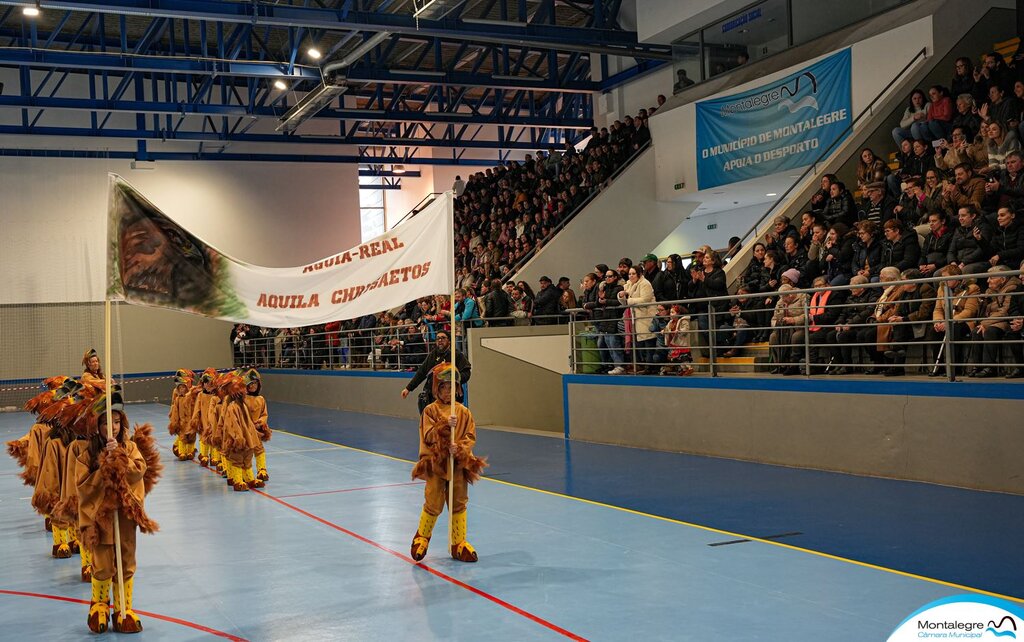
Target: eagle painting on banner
{"type": "Point", "coordinates": [154, 261]}
{"type": "Point", "coordinates": [780, 126]}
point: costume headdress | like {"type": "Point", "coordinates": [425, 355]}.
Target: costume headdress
{"type": "Point", "coordinates": [443, 373]}
{"type": "Point", "coordinates": [89, 354]}
{"type": "Point", "coordinates": [184, 376]}
{"type": "Point", "coordinates": [251, 376]}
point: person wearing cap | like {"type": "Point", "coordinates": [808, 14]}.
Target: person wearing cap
{"type": "Point", "coordinates": [651, 269]}
{"type": "Point", "coordinates": [442, 353]}
{"type": "Point", "coordinates": [879, 208]}
{"type": "Point", "coordinates": [182, 405]}
{"type": "Point", "coordinates": [256, 405]}
{"type": "Point", "coordinates": [93, 373]}
{"type": "Point", "coordinates": [113, 473]}
{"type": "Point", "coordinates": [545, 304]}
{"type": "Point", "coordinates": [447, 430]}
{"type": "Point", "coordinates": [791, 277]}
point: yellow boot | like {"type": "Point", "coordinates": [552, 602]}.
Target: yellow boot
{"type": "Point", "coordinates": [204, 453]}
{"type": "Point", "coordinates": [461, 549]}
{"type": "Point", "coordinates": [421, 540]}
{"type": "Point", "coordinates": [73, 540]}
{"type": "Point", "coordinates": [99, 609]}
{"type": "Point", "coordinates": [127, 622]}
{"type": "Point", "coordinates": [250, 480]}
{"type": "Point", "coordinates": [61, 547]}
{"type": "Point", "coordinates": [86, 564]}
{"type": "Point", "coordinates": [261, 467]}
{"type": "Point", "coordinates": [237, 479]}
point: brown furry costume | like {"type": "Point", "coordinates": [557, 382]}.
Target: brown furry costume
{"type": "Point", "coordinates": [239, 439]}
{"type": "Point", "coordinates": [435, 437]}
{"type": "Point", "coordinates": [28, 449]}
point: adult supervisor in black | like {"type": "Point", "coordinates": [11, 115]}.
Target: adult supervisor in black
{"type": "Point", "coordinates": [442, 353]}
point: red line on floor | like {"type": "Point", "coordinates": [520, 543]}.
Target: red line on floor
{"type": "Point", "coordinates": [420, 565]}
{"type": "Point", "coordinates": [448, 578]}
{"type": "Point", "coordinates": [166, 618]}
{"type": "Point", "coordinates": [347, 490]}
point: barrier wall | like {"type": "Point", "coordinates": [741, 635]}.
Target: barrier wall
{"type": "Point", "coordinates": [960, 434]}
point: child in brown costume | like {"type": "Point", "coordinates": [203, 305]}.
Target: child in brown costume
{"type": "Point", "coordinates": [204, 414]}
{"type": "Point", "coordinates": [257, 407]}
{"type": "Point", "coordinates": [28, 449]}
{"type": "Point", "coordinates": [446, 429]}
{"type": "Point", "coordinates": [239, 439]}
{"type": "Point", "coordinates": [52, 464]}
{"type": "Point", "coordinates": [180, 425]}
{"type": "Point", "coordinates": [114, 474]}
{"type": "Point", "coordinates": [93, 373]}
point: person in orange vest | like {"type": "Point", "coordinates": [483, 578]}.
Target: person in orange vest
{"type": "Point", "coordinates": [824, 311]}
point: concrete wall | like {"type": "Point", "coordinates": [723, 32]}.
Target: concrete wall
{"type": "Point", "coordinates": [506, 391]}
{"type": "Point", "coordinates": [371, 392]}
{"type": "Point", "coordinates": [503, 391]}
{"type": "Point", "coordinates": [963, 434]}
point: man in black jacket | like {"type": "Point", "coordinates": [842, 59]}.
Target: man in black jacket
{"type": "Point", "coordinates": [545, 305]}
{"type": "Point", "coordinates": [608, 313]}
{"type": "Point", "coordinates": [496, 305]}
{"type": "Point", "coordinates": [442, 353]}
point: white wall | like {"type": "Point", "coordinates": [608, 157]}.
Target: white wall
{"type": "Point", "coordinates": [693, 232]}
{"type": "Point", "coordinates": [270, 214]}
{"type": "Point", "coordinates": [662, 21]}
{"type": "Point", "coordinates": [630, 98]}
{"type": "Point", "coordinates": [624, 220]}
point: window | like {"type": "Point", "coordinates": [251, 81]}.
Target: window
{"type": "Point", "coordinates": [371, 207]}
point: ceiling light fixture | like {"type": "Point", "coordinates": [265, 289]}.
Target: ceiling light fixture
{"type": "Point", "coordinates": [771, 194]}
{"type": "Point", "coordinates": [280, 84]}
{"type": "Point", "coordinates": [314, 53]}
{"type": "Point", "coordinates": [31, 12]}
{"type": "Point", "coordinates": [398, 169]}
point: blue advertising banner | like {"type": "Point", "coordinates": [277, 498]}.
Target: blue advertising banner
{"type": "Point", "coordinates": [780, 126]}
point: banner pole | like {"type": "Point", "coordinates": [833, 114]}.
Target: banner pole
{"type": "Point", "coordinates": [455, 373]}
{"type": "Point", "coordinates": [110, 435]}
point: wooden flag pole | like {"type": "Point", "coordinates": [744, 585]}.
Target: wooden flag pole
{"type": "Point", "coordinates": [451, 438]}
{"type": "Point", "coordinates": [455, 374]}
{"type": "Point", "coordinates": [110, 435]}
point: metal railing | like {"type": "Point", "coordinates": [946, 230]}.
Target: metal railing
{"type": "Point", "coordinates": [394, 347]}
{"type": "Point", "coordinates": [922, 325]}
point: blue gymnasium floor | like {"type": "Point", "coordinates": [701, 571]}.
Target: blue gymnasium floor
{"type": "Point", "coordinates": [323, 553]}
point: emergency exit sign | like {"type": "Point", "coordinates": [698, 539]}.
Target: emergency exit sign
{"type": "Point", "coordinates": [712, 226]}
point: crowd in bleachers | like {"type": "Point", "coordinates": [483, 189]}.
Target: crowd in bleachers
{"type": "Point", "coordinates": [945, 206]}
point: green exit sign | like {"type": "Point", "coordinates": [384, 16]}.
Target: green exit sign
{"type": "Point", "coordinates": [679, 186]}
{"type": "Point", "coordinates": [712, 226]}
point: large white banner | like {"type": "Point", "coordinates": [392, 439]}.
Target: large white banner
{"type": "Point", "coordinates": [154, 261]}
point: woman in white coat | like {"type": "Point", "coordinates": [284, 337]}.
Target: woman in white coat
{"type": "Point", "coordinates": [638, 291]}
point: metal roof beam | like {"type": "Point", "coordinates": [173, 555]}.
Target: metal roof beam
{"type": "Point", "coordinates": [261, 139]}
{"type": "Point", "coordinates": [230, 110]}
{"type": "Point", "coordinates": [547, 36]}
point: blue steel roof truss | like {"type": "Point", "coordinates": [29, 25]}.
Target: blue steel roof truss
{"type": "Point", "coordinates": [206, 71]}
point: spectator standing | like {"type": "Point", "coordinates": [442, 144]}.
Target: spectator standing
{"type": "Point", "coordinates": [545, 306]}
